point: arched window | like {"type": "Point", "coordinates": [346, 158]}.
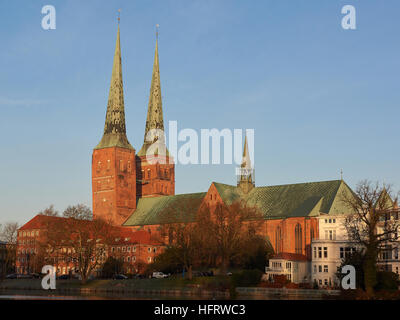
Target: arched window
{"type": "Point", "coordinates": [298, 239]}
{"type": "Point", "coordinates": [278, 240]}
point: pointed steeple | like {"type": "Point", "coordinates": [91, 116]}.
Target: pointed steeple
{"type": "Point", "coordinates": [246, 172]}
{"type": "Point", "coordinates": [246, 163]}
{"type": "Point", "coordinates": [115, 128]}
{"type": "Point", "coordinates": [155, 119]}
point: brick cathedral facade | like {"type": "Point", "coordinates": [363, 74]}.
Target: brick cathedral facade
{"type": "Point", "coordinates": [132, 190]}
{"type": "Point", "coordinates": [119, 175]}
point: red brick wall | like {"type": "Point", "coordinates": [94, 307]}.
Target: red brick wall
{"type": "Point", "coordinates": [288, 233]}
{"type": "Point", "coordinates": [155, 179]}
{"type": "Point", "coordinates": [113, 184]}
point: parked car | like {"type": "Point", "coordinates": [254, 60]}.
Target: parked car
{"type": "Point", "coordinates": [139, 276]}
{"type": "Point", "coordinates": [63, 277]}
{"type": "Point", "coordinates": [12, 276]}
{"type": "Point", "coordinates": [159, 275]}
{"type": "Point", "coordinates": [120, 277]}
{"type": "Point", "coordinates": [24, 276]}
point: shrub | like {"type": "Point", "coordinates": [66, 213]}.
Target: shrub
{"type": "Point", "coordinates": [246, 278]}
{"type": "Point", "coordinates": [387, 281]}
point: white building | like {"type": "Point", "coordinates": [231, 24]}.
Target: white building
{"type": "Point", "coordinates": [295, 267]}
{"type": "Point", "coordinates": [329, 250]}
{"type": "Point", "coordinates": [388, 259]}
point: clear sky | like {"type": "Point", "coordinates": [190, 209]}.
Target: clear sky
{"type": "Point", "coordinates": [319, 97]}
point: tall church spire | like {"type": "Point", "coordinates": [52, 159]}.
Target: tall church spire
{"type": "Point", "coordinates": [115, 128]}
{"type": "Point", "coordinates": [155, 118]}
{"type": "Point", "coordinates": [246, 172]}
{"type": "Point", "coordinates": [246, 162]}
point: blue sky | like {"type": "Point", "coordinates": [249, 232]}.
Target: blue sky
{"type": "Point", "coordinates": [320, 98]}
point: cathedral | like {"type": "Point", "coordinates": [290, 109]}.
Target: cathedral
{"type": "Point", "coordinates": [135, 193]}
{"type": "Point", "coordinates": [131, 191]}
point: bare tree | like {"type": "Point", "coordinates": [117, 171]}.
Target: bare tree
{"type": "Point", "coordinates": [80, 242]}
{"type": "Point", "coordinates": [223, 230]}
{"type": "Point", "coordinates": [215, 236]}
{"type": "Point", "coordinates": [49, 211]}
{"type": "Point", "coordinates": [184, 246]}
{"type": "Point", "coordinates": [8, 234]}
{"type": "Point", "coordinates": [180, 238]}
{"type": "Point", "coordinates": [372, 223]}
{"type": "Point", "coordinates": [79, 211]}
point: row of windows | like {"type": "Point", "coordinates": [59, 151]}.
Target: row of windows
{"type": "Point", "coordinates": [128, 249]}
{"type": "Point", "coordinates": [321, 268]}
{"type": "Point", "coordinates": [330, 220]}
{"type": "Point", "coordinates": [318, 252]}
{"type": "Point", "coordinates": [121, 165]}
{"type": "Point", "coordinates": [346, 252]}
{"type": "Point", "coordinates": [29, 233]}
{"type": "Point", "coordinates": [325, 282]}
{"type": "Point", "coordinates": [298, 238]}
{"type": "Point", "coordinates": [389, 253]}
{"type": "Point", "coordinates": [31, 251]}
{"type": "Point", "coordinates": [133, 259]}
{"type": "Point", "coordinates": [276, 265]}
{"type": "Point", "coordinates": [330, 234]}
{"type": "Point", "coordinates": [28, 241]}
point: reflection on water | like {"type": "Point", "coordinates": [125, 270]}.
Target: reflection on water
{"type": "Point", "coordinates": [44, 295]}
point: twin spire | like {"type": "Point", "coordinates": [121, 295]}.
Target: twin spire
{"type": "Point", "coordinates": [154, 130]}
{"type": "Point", "coordinates": [115, 128]}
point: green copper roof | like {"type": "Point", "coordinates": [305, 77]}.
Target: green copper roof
{"type": "Point", "coordinates": [275, 202]}
{"type": "Point", "coordinates": [115, 128]}
{"type": "Point", "coordinates": [166, 209]}
{"type": "Point", "coordinates": [155, 119]}
{"type": "Point", "coordinates": [291, 200]}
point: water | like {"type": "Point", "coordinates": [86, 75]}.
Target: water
{"type": "Point", "coordinates": [43, 295]}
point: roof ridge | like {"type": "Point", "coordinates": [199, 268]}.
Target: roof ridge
{"type": "Point", "coordinates": [224, 184]}
{"type": "Point", "coordinates": [299, 183]}
{"type": "Point", "coordinates": [173, 195]}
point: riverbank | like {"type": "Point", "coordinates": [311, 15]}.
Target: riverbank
{"type": "Point", "coordinates": [173, 288]}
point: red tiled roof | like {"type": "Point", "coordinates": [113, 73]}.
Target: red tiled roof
{"type": "Point", "coordinates": [290, 256]}
{"type": "Point", "coordinates": [142, 237]}
{"type": "Point", "coordinates": [39, 222]}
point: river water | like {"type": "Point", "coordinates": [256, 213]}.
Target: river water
{"type": "Point", "coordinates": [44, 295]}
